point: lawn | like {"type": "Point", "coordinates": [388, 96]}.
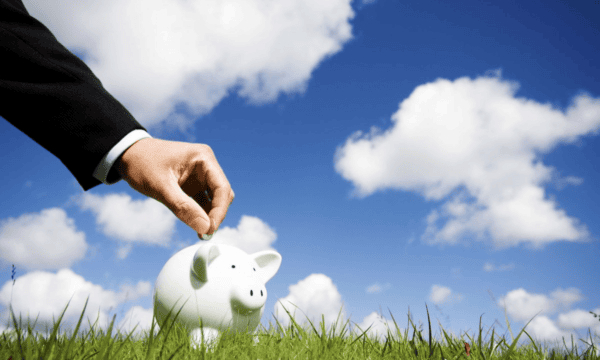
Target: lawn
{"type": "Point", "coordinates": [275, 342]}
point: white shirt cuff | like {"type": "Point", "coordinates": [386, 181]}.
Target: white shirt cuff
{"type": "Point", "coordinates": [108, 161]}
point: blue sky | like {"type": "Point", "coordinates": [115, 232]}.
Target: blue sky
{"type": "Point", "coordinates": [395, 154]}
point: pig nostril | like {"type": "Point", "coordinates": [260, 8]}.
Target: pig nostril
{"type": "Point", "coordinates": [261, 294]}
{"type": "Point", "coordinates": [251, 293]}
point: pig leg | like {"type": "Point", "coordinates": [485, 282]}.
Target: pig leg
{"type": "Point", "coordinates": [210, 337]}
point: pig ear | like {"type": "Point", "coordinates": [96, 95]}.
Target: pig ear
{"type": "Point", "coordinates": [203, 257]}
{"type": "Point", "coordinates": [269, 262]}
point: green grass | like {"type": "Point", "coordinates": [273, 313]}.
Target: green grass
{"type": "Point", "coordinates": [293, 341]}
{"type": "Point", "coordinates": [276, 342]}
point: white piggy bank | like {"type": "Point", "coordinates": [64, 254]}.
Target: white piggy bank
{"type": "Point", "coordinates": [224, 288]}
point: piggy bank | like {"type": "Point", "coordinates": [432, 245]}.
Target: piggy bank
{"type": "Point", "coordinates": [219, 286]}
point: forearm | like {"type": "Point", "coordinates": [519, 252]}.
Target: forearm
{"type": "Point", "coordinates": [54, 98]}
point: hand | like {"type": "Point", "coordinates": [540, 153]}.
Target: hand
{"type": "Point", "coordinates": [185, 177]}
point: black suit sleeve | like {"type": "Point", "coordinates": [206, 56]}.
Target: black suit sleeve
{"type": "Point", "coordinates": [54, 98]}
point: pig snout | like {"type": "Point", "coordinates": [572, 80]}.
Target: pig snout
{"type": "Point", "coordinates": [248, 297]}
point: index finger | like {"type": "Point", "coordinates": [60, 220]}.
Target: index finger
{"type": "Point", "coordinates": [222, 196]}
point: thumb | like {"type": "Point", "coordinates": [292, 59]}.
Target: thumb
{"type": "Point", "coordinates": [188, 211]}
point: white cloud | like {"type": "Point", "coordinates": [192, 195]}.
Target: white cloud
{"type": "Point", "coordinates": [47, 240]}
{"type": "Point", "coordinates": [377, 288]}
{"type": "Point", "coordinates": [543, 330]}
{"type": "Point", "coordinates": [476, 143]}
{"type": "Point", "coordinates": [131, 293]}
{"type": "Point", "coordinates": [441, 294]}
{"type": "Point", "coordinates": [561, 183]}
{"type": "Point", "coordinates": [523, 306]}
{"type": "Point", "coordinates": [379, 326]}
{"type": "Point", "coordinates": [130, 221]}
{"type": "Point", "coordinates": [47, 294]}
{"type": "Point", "coordinates": [251, 235]}
{"type": "Point", "coordinates": [124, 250]}
{"type": "Point", "coordinates": [579, 319]}
{"type": "Point", "coordinates": [563, 299]}
{"type": "Point", "coordinates": [155, 54]}
{"type": "Point", "coordinates": [315, 296]}
{"type": "Point", "coordinates": [139, 316]}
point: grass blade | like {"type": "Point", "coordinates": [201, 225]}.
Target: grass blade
{"type": "Point", "coordinates": [509, 351]}
{"type": "Point", "coordinates": [429, 322]}
{"type": "Point", "coordinates": [67, 352]}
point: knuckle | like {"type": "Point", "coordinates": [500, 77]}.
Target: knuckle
{"type": "Point", "coordinates": [203, 154]}
{"type": "Point", "coordinates": [181, 208]}
{"type": "Point", "coordinates": [206, 148]}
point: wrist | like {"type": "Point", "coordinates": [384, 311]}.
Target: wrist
{"type": "Point", "coordinates": [127, 158]}
{"type": "Point", "coordinates": [121, 164]}
{"type": "Point", "coordinates": [119, 167]}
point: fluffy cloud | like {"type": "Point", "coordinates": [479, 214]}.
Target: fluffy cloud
{"type": "Point", "coordinates": [251, 235]}
{"type": "Point", "coordinates": [140, 317]}
{"type": "Point", "coordinates": [47, 240]}
{"type": "Point", "coordinates": [312, 298]}
{"type": "Point", "coordinates": [130, 221]}
{"type": "Point", "coordinates": [47, 294]}
{"type": "Point", "coordinates": [131, 293]}
{"type": "Point", "coordinates": [476, 143]}
{"type": "Point", "coordinates": [378, 327]}
{"type": "Point", "coordinates": [579, 319]}
{"type": "Point", "coordinates": [155, 54]}
{"type": "Point", "coordinates": [441, 294]}
{"type": "Point", "coordinates": [523, 306]}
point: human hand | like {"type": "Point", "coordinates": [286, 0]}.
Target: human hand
{"type": "Point", "coordinates": [185, 177]}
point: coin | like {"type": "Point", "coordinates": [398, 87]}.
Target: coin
{"type": "Point", "coordinates": [206, 237]}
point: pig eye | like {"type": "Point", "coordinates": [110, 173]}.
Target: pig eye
{"type": "Point", "coordinates": [233, 266]}
{"type": "Point", "coordinates": [254, 269]}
